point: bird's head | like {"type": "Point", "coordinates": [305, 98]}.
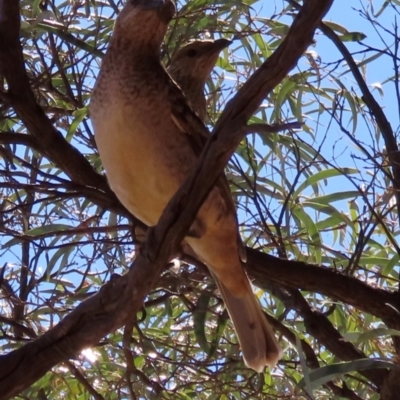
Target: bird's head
{"type": "Point", "coordinates": [197, 58]}
{"type": "Point", "coordinates": [144, 22]}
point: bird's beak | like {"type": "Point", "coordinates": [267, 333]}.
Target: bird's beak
{"type": "Point", "coordinates": [221, 44]}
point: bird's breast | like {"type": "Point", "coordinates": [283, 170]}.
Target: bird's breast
{"type": "Point", "coordinates": [145, 156]}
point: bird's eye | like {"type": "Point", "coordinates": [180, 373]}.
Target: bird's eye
{"type": "Point", "coordinates": [191, 53]}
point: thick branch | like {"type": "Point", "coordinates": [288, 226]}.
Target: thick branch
{"type": "Point", "coordinates": [19, 138]}
{"type": "Point", "coordinates": [265, 268]}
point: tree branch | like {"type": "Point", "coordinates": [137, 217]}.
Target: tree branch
{"type": "Point", "coordinates": [297, 274]}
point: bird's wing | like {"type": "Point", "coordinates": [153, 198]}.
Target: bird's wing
{"type": "Point", "coordinates": [186, 119]}
{"type": "Point", "coordinates": [190, 123]}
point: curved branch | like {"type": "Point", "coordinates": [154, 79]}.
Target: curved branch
{"type": "Point", "coordinates": [265, 268]}
{"type": "Point", "coordinates": [19, 138]}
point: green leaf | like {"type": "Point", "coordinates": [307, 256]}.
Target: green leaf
{"type": "Point", "coordinates": [323, 375]}
{"type": "Point", "coordinates": [52, 228]}
{"type": "Point", "coordinates": [323, 176]}
{"type": "Point", "coordinates": [310, 228]}
{"type": "Point", "coordinates": [353, 37]}
{"type": "Point", "coordinates": [330, 198]}
{"type": "Point", "coordinates": [79, 116]}
{"type": "Point", "coordinates": [199, 320]}
{"type": "Point", "coordinates": [222, 322]}
{"type": "Point", "coordinates": [361, 337]}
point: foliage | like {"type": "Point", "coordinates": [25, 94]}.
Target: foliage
{"type": "Point", "coordinates": [325, 195]}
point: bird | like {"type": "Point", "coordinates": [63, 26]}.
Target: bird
{"type": "Point", "coordinates": [190, 67]}
{"type": "Point", "coordinates": [149, 139]}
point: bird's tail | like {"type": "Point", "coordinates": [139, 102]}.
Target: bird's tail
{"type": "Point", "coordinates": [257, 340]}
